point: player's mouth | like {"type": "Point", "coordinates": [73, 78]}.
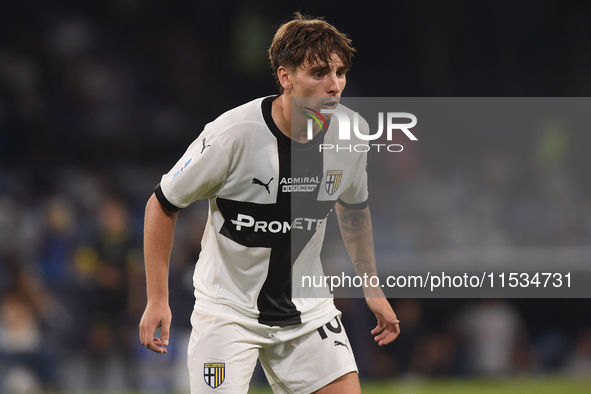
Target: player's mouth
{"type": "Point", "coordinates": [330, 104]}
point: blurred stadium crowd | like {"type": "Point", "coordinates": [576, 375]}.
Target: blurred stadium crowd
{"type": "Point", "coordinates": [97, 101]}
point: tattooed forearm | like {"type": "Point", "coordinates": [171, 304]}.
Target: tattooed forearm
{"type": "Point", "coordinates": [357, 235]}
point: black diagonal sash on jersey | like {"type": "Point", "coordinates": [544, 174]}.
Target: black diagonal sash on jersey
{"type": "Point", "coordinates": [274, 300]}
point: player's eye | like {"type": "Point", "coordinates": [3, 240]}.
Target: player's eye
{"type": "Point", "coordinates": [318, 74]}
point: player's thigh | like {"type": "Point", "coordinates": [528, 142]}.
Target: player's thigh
{"type": "Point", "coordinates": [221, 355]}
{"type": "Point", "coordinates": [346, 384]}
{"type": "Point", "coordinates": [310, 362]}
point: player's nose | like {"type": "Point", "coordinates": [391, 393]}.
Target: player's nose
{"type": "Point", "coordinates": [333, 86]}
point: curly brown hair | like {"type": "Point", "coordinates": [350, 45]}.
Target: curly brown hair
{"type": "Point", "coordinates": [306, 38]}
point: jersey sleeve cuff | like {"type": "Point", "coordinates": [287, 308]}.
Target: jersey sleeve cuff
{"type": "Point", "coordinates": [164, 201]}
{"type": "Point", "coordinates": [360, 205]}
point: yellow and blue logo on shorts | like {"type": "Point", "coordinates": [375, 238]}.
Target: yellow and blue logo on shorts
{"type": "Point", "coordinates": [214, 374]}
{"type": "Point", "coordinates": [333, 180]}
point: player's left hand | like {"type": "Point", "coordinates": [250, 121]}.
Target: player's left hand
{"type": "Point", "coordinates": [388, 326]}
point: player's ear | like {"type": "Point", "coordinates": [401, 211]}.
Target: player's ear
{"type": "Point", "coordinates": [284, 76]}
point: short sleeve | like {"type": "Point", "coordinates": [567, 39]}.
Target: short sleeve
{"type": "Point", "coordinates": [356, 194]}
{"type": "Point", "coordinates": [199, 174]}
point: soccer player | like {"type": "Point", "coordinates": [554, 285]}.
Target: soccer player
{"type": "Point", "coordinates": [266, 222]}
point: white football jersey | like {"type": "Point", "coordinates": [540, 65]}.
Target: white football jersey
{"type": "Point", "coordinates": [269, 198]}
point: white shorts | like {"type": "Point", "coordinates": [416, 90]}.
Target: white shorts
{"type": "Point", "coordinates": [223, 353]}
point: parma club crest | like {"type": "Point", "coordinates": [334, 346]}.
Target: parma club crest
{"type": "Point", "coordinates": [214, 374]}
{"type": "Point", "coordinates": [333, 180]}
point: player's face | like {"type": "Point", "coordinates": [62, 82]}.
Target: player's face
{"type": "Point", "coordinates": [319, 79]}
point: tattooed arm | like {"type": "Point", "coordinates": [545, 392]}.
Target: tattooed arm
{"type": "Point", "coordinates": [358, 238]}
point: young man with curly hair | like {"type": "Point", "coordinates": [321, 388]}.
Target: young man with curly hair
{"type": "Point", "coordinates": [270, 190]}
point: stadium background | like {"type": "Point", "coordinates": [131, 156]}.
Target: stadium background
{"type": "Point", "coordinates": [99, 98]}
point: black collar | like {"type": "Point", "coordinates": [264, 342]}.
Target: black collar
{"type": "Point", "coordinates": [266, 107]}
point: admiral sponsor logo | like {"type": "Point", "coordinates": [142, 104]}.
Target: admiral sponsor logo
{"type": "Point", "coordinates": [303, 179]}
{"type": "Point", "coordinates": [276, 226]}
{"type": "Point", "coordinates": [298, 188]}
{"type": "Point", "coordinates": [299, 184]}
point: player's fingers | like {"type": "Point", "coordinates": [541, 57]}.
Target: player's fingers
{"type": "Point", "coordinates": [381, 336]}
{"type": "Point", "coordinates": [147, 339]}
{"type": "Point", "coordinates": [381, 324]}
{"type": "Point", "coordinates": [146, 332]}
{"type": "Point", "coordinates": [389, 338]}
{"type": "Point", "coordinates": [388, 335]}
{"type": "Point", "coordinates": [165, 332]}
{"type": "Point", "coordinates": [156, 346]}
{"type": "Point", "coordinates": [378, 328]}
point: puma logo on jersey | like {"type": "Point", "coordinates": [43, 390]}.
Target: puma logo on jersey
{"type": "Point", "coordinates": [339, 343]}
{"type": "Point", "coordinates": [204, 146]}
{"type": "Point", "coordinates": [257, 181]}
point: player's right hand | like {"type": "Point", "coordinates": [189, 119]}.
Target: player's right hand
{"type": "Point", "coordinates": [156, 316]}
{"type": "Point", "coordinates": [388, 327]}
